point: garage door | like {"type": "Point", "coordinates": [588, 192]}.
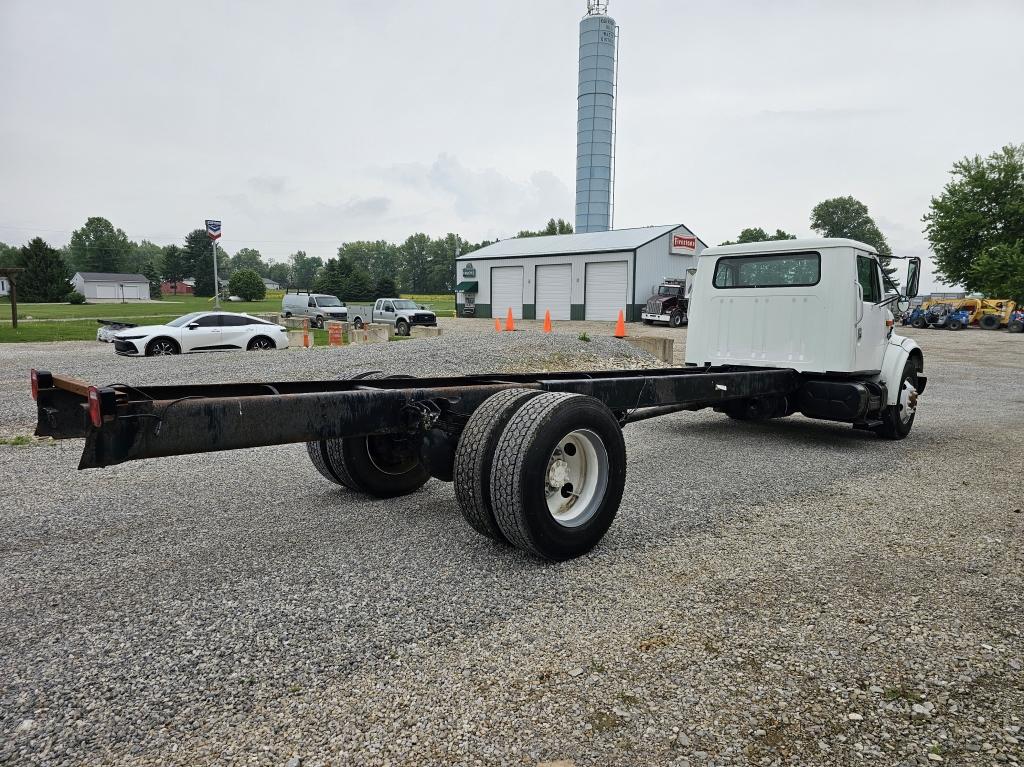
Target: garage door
{"type": "Point", "coordinates": [605, 293]}
{"type": "Point", "coordinates": [554, 286]}
{"type": "Point", "coordinates": [132, 291]}
{"type": "Point", "coordinates": [507, 291]}
{"type": "Point", "coordinates": [106, 291]}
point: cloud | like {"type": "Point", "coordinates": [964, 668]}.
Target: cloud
{"type": "Point", "coordinates": [484, 195]}
{"type": "Point", "coordinates": [270, 185]}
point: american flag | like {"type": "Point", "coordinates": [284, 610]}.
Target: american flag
{"type": "Point", "coordinates": [213, 229]}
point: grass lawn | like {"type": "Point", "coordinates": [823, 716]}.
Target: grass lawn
{"type": "Point", "coordinates": [78, 323]}
{"type": "Point", "coordinates": [172, 306]}
{"type": "Point", "coordinates": [441, 304]}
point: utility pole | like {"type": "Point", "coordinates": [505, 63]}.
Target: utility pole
{"type": "Point", "coordinates": [213, 232]}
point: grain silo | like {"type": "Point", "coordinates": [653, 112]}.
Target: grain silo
{"type": "Point", "coordinates": [595, 119]}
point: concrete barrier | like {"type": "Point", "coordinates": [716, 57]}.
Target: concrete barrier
{"type": "Point", "coordinates": [418, 331]}
{"type": "Point", "coordinates": [371, 333]}
{"type": "Point", "coordinates": [294, 323]}
{"type": "Point", "coordinates": [659, 346]}
{"type": "Point", "coordinates": [270, 317]}
{"type": "Point", "coordinates": [295, 339]}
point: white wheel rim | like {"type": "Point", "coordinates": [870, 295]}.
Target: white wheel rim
{"type": "Point", "coordinates": [576, 478]}
{"type": "Point", "coordinates": [908, 402]}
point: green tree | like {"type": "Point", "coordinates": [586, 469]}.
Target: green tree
{"type": "Point", "coordinates": [280, 273]}
{"type": "Point", "coordinates": [849, 217]}
{"type": "Point", "coordinates": [152, 274]}
{"type": "Point", "coordinates": [415, 259]}
{"type": "Point", "coordinates": [757, 234]}
{"type": "Point", "coordinates": [46, 275]}
{"type": "Point", "coordinates": [143, 254]}
{"type": "Point", "coordinates": [379, 257]}
{"type": "Point", "coordinates": [554, 226]}
{"type": "Point", "coordinates": [8, 255]}
{"type": "Point", "coordinates": [999, 272]}
{"type": "Point", "coordinates": [99, 247]}
{"type": "Point", "coordinates": [977, 224]}
{"type": "Point", "coordinates": [385, 288]}
{"type": "Point", "coordinates": [199, 259]}
{"type": "Point", "coordinates": [174, 266]}
{"type": "Point", "coordinates": [359, 286]}
{"type": "Point", "coordinates": [304, 269]}
{"type": "Point", "coordinates": [333, 279]}
{"type": "Point", "coordinates": [248, 285]}
{"type": "Point", "coordinates": [249, 258]}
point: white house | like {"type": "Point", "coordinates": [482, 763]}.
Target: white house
{"type": "Point", "coordinates": [112, 287]}
{"type": "Point", "coordinates": [270, 284]}
{"type": "Point", "coordinates": [5, 286]}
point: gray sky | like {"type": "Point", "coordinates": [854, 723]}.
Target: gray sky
{"type": "Point", "coordinates": [305, 124]}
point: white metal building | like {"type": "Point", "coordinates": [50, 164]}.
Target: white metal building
{"type": "Point", "coordinates": [590, 276]}
{"type": "Point", "coordinates": [109, 286]}
{"type": "Point", "coordinates": [5, 287]}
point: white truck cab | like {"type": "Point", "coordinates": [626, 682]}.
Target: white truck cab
{"type": "Point", "coordinates": [822, 307]}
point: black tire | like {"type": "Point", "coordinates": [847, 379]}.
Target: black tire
{"type": "Point", "coordinates": [893, 426]}
{"type": "Point", "coordinates": [402, 328]}
{"type": "Point", "coordinates": [675, 320]}
{"type": "Point", "coordinates": [287, 314]}
{"type": "Point", "coordinates": [260, 344]}
{"type": "Point", "coordinates": [990, 322]}
{"type": "Point", "coordinates": [955, 325]}
{"type": "Point", "coordinates": [648, 322]}
{"type": "Point", "coordinates": [475, 454]}
{"type": "Point", "coordinates": [919, 323]}
{"type": "Point", "coordinates": [383, 466]}
{"type": "Point", "coordinates": [1015, 327]}
{"type": "Point", "coordinates": [162, 347]}
{"type": "Point", "coordinates": [319, 322]}
{"type": "Point", "coordinates": [522, 470]}
{"type": "Point", "coordinates": [357, 323]}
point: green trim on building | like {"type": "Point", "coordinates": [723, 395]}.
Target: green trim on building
{"type": "Point", "coordinates": [483, 310]}
{"type": "Point", "coordinates": [577, 311]}
{"type": "Point", "coordinates": [529, 312]}
{"type": "Point", "coordinates": [633, 312]}
{"type": "Point", "coordinates": [458, 309]}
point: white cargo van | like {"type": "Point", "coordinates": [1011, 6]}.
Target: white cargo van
{"type": "Point", "coordinates": [319, 307]}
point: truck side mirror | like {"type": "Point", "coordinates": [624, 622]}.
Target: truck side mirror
{"type": "Point", "coordinates": [913, 276]}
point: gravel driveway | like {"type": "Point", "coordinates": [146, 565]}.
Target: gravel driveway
{"type": "Point", "coordinates": [796, 593]}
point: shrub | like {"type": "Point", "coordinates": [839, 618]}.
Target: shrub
{"type": "Point", "coordinates": [247, 285]}
{"type": "Point", "coordinates": [76, 298]}
{"type": "Point", "coordinates": [584, 337]}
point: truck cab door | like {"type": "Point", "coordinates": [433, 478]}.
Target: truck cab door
{"type": "Point", "coordinates": [871, 331]}
{"type": "Point", "coordinates": [387, 312]}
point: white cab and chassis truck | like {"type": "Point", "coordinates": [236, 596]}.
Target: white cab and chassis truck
{"type": "Point", "coordinates": [538, 460]}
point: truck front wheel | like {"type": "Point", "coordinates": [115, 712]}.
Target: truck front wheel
{"type": "Point", "coordinates": [898, 420]}
{"type": "Point", "coordinates": [676, 319]}
{"type": "Point", "coordinates": [558, 474]}
{"type": "Point", "coordinates": [402, 328]}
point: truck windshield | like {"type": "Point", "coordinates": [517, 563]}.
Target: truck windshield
{"type": "Point", "coordinates": [404, 303]}
{"type": "Point", "coordinates": [328, 301]}
{"type": "Point", "coordinates": [768, 271]}
{"type": "Point", "coordinates": [670, 290]}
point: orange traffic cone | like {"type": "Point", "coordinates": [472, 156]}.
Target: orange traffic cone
{"type": "Point", "coordinates": [620, 326]}
{"type": "Point", "coordinates": [547, 320]}
{"type": "Point", "coordinates": [497, 324]}
{"type": "Point", "coordinates": [510, 324]}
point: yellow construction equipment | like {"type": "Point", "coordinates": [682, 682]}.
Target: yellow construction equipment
{"type": "Point", "coordinates": [987, 313]}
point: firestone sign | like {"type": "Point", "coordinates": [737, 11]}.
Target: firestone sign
{"type": "Point", "coordinates": [684, 243]}
{"type": "Point", "coordinates": [469, 271]}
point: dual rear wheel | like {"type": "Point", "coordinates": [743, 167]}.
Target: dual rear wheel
{"type": "Point", "coordinates": [541, 471]}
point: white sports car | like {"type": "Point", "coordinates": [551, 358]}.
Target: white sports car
{"type": "Point", "coordinates": [201, 332]}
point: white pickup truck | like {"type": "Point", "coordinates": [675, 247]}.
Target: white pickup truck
{"type": "Point", "coordinates": [403, 313]}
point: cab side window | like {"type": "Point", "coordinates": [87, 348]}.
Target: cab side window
{"type": "Point", "coordinates": [388, 307]}
{"type": "Point", "coordinates": [867, 275]}
{"type": "Point", "coordinates": [312, 302]}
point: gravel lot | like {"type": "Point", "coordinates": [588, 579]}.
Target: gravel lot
{"type": "Point", "coordinates": [796, 593]}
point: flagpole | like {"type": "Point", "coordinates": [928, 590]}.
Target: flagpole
{"type": "Point", "coordinates": [216, 280]}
